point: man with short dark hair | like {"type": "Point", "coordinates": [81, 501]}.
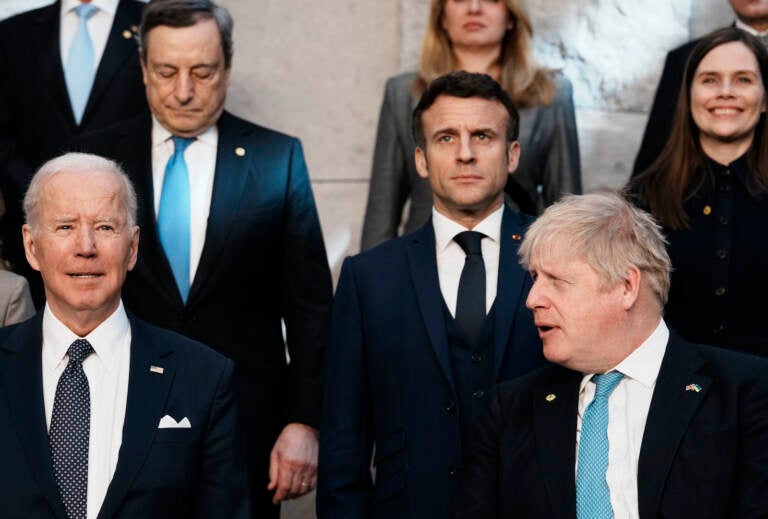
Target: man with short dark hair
{"type": "Point", "coordinates": [631, 421]}
{"type": "Point", "coordinates": [751, 16]}
{"type": "Point", "coordinates": [232, 243]}
{"type": "Point", "coordinates": [424, 325]}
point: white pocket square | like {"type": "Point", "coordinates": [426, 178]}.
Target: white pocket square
{"type": "Point", "coordinates": [167, 422]}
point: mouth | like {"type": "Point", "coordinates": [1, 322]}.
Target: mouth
{"type": "Point", "coordinates": [725, 111]}
{"type": "Point", "coordinates": [473, 26]}
{"type": "Point", "coordinates": [545, 329]}
{"type": "Point", "coordinates": [84, 275]}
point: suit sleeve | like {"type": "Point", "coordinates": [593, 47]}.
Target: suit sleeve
{"type": "Point", "coordinates": [478, 489]}
{"type": "Point", "coordinates": [388, 189]}
{"type": "Point", "coordinates": [659, 124]}
{"type": "Point", "coordinates": [307, 295]}
{"type": "Point", "coordinates": [752, 472]}
{"type": "Point", "coordinates": [223, 481]}
{"type": "Point", "coordinates": [346, 435]}
{"type": "Point", "coordinates": [562, 173]}
{"type": "Point", "coordinates": [20, 306]}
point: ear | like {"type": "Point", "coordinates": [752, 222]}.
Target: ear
{"type": "Point", "coordinates": [513, 156]}
{"type": "Point", "coordinates": [134, 249]}
{"type": "Point", "coordinates": [631, 288]}
{"type": "Point", "coordinates": [30, 249]}
{"type": "Point", "coordinates": [421, 163]}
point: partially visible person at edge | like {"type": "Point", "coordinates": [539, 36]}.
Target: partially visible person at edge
{"type": "Point", "coordinates": [709, 189]}
{"type": "Point", "coordinates": [493, 37]}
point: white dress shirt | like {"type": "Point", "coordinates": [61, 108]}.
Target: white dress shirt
{"type": "Point", "coordinates": [450, 256]}
{"type": "Point", "coordinates": [99, 26]}
{"type": "Point", "coordinates": [744, 27]}
{"type": "Point", "coordinates": [107, 373]}
{"type": "Point", "coordinates": [200, 157]}
{"type": "Point", "coordinates": [627, 411]}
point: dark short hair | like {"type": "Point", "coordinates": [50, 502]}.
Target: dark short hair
{"type": "Point", "coordinates": [465, 85]}
{"type": "Point", "coordinates": [185, 13]}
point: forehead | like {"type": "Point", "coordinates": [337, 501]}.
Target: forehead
{"type": "Point", "coordinates": [448, 112]}
{"type": "Point", "coordinates": [729, 57]}
{"type": "Point", "coordinates": [70, 190]}
{"type": "Point", "coordinates": [200, 42]}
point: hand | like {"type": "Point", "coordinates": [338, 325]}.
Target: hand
{"type": "Point", "coordinates": [293, 462]}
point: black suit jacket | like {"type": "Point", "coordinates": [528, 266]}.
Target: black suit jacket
{"type": "Point", "coordinates": [263, 261]}
{"type": "Point", "coordinates": [659, 125]}
{"type": "Point", "coordinates": [703, 452]}
{"type": "Point", "coordinates": [195, 472]}
{"type": "Point", "coordinates": [36, 119]}
{"type": "Point", "coordinates": [389, 381]}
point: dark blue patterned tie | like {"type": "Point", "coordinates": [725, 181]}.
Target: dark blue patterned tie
{"type": "Point", "coordinates": [70, 432]}
{"type": "Point", "coordinates": [470, 301]}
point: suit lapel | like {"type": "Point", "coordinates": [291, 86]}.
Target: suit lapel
{"type": "Point", "coordinates": [509, 286]}
{"type": "Point", "coordinates": [117, 51]}
{"type": "Point", "coordinates": [44, 38]}
{"type": "Point", "coordinates": [423, 265]}
{"type": "Point", "coordinates": [672, 407]}
{"type": "Point", "coordinates": [23, 381]}
{"type": "Point", "coordinates": [230, 178]}
{"type": "Point", "coordinates": [147, 395]}
{"type": "Point", "coordinates": [555, 408]}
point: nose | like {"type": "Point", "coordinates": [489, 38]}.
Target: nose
{"type": "Point", "coordinates": [466, 153]}
{"type": "Point", "coordinates": [474, 6]}
{"type": "Point", "coordinates": [183, 88]}
{"type": "Point", "coordinates": [536, 298]}
{"type": "Point", "coordinates": [726, 88]}
{"type": "Point", "coordinates": [86, 242]}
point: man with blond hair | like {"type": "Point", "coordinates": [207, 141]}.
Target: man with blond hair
{"type": "Point", "coordinates": [631, 421]}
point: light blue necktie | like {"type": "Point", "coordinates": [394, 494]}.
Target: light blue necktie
{"type": "Point", "coordinates": [173, 215]}
{"type": "Point", "coordinates": [79, 71]}
{"type": "Point", "coordinates": [593, 498]}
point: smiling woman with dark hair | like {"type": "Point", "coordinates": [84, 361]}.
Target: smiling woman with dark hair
{"type": "Point", "coordinates": [709, 189]}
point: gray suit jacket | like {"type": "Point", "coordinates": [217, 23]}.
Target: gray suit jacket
{"type": "Point", "coordinates": [15, 300]}
{"type": "Point", "coordinates": [549, 160]}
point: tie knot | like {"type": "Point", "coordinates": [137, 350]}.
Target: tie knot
{"type": "Point", "coordinates": [86, 10]}
{"type": "Point", "coordinates": [469, 241]}
{"type": "Point", "coordinates": [79, 351]}
{"type": "Point", "coordinates": [606, 383]}
{"type": "Point", "coordinates": [180, 144]}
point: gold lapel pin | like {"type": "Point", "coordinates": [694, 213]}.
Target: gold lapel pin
{"type": "Point", "coordinates": [707, 210]}
{"type": "Point", "coordinates": [550, 397]}
{"type": "Point", "coordinates": [127, 34]}
{"type": "Point", "coordinates": [240, 151]}
{"type": "Point", "coordinates": [156, 369]}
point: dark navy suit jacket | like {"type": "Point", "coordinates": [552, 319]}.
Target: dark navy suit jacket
{"type": "Point", "coordinates": [195, 472]}
{"type": "Point", "coordinates": [36, 119]}
{"type": "Point", "coordinates": [263, 261]}
{"type": "Point", "coordinates": [703, 452]}
{"type": "Point", "coordinates": [389, 385]}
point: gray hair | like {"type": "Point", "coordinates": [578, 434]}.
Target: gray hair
{"type": "Point", "coordinates": [607, 232]}
{"type": "Point", "coordinates": [185, 13]}
{"type": "Point", "coordinates": [77, 162]}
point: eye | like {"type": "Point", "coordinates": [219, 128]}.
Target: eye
{"type": "Point", "coordinates": [203, 73]}
{"type": "Point", "coordinates": [746, 80]}
{"type": "Point", "coordinates": [165, 72]}
{"type": "Point", "coordinates": [445, 138]}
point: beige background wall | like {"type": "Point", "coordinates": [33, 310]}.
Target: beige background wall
{"type": "Point", "coordinates": [317, 70]}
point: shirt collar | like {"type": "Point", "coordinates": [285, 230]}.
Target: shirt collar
{"type": "Point", "coordinates": [446, 229]}
{"type": "Point", "coordinates": [644, 363]}
{"type": "Point", "coordinates": [751, 30]}
{"type": "Point", "coordinates": [109, 6]}
{"type": "Point", "coordinates": [160, 134]}
{"type": "Point", "coordinates": [104, 339]}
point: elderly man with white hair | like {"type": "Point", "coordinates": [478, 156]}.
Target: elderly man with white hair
{"type": "Point", "coordinates": [630, 421]}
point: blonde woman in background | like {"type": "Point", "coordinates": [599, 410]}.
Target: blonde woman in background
{"type": "Point", "coordinates": [486, 36]}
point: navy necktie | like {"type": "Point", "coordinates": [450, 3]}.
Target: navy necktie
{"type": "Point", "coordinates": [79, 71]}
{"type": "Point", "coordinates": [470, 301]}
{"type": "Point", "coordinates": [173, 217]}
{"type": "Point", "coordinates": [70, 432]}
{"type": "Point", "coordinates": [593, 498]}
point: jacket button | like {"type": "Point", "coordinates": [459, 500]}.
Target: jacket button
{"type": "Point", "coordinates": [722, 254]}
{"type": "Point", "coordinates": [723, 220]}
{"type": "Point", "coordinates": [477, 356]}
{"type": "Point", "coordinates": [453, 471]}
{"type": "Point", "coordinates": [449, 408]}
{"type": "Point", "coordinates": [478, 394]}
{"type": "Point", "coordinates": [719, 291]}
